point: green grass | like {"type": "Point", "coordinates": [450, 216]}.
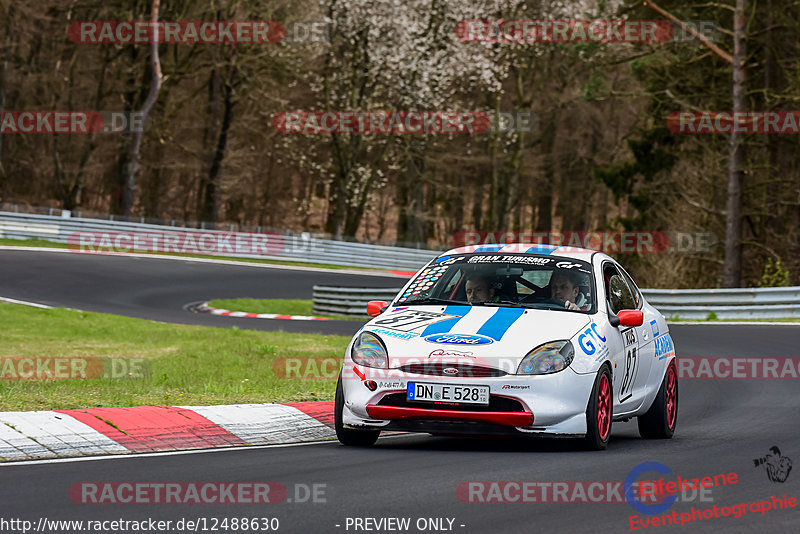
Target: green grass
{"type": "Point", "coordinates": [51, 244]}
{"type": "Point", "coordinates": [30, 243]}
{"type": "Point", "coordinates": [281, 306]}
{"type": "Point", "coordinates": [784, 320]}
{"type": "Point", "coordinates": [191, 365]}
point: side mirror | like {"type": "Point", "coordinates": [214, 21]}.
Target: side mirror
{"type": "Point", "coordinates": [376, 307]}
{"type": "Point", "coordinates": [613, 320]}
{"type": "Point", "coordinates": [631, 317]}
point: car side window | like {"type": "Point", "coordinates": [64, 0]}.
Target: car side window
{"type": "Point", "coordinates": [618, 293]}
{"type": "Point", "coordinates": [637, 294]}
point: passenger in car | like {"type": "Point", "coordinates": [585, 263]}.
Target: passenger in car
{"type": "Point", "coordinates": [564, 285]}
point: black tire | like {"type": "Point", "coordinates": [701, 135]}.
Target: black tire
{"type": "Point", "coordinates": [349, 436]}
{"type": "Point", "coordinates": [597, 438]}
{"type": "Point", "coordinates": [655, 424]}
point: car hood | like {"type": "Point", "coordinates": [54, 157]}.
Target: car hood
{"type": "Point", "coordinates": [488, 336]}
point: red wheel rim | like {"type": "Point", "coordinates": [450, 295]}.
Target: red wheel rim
{"type": "Point", "coordinates": [604, 407]}
{"type": "Point", "coordinates": [672, 396]}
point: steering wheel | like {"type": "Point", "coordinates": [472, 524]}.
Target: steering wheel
{"type": "Point", "coordinates": [546, 300]}
{"type": "Point", "coordinates": [551, 300]}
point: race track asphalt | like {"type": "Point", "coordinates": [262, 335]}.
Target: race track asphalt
{"type": "Point", "coordinates": [159, 289]}
{"type": "Point", "coordinates": [724, 425]}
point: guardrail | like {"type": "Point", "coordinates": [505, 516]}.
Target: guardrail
{"type": "Point", "coordinates": [762, 303]}
{"type": "Point", "coordinates": [739, 303]}
{"type": "Point", "coordinates": [348, 300]}
{"type": "Point", "coordinates": [302, 247]}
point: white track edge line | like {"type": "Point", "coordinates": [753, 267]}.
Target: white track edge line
{"type": "Point", "coordinates": [365, 272]}
{"type": "Point", "coordinates": [134, 455]}
{"type": "Point", "coordinates": [130, 455]}
{"type": "Point", "coordinates": [25, 303]}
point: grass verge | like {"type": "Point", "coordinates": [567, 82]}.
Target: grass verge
{"type": "Point", "coordinates": [280, 306]}
{"type": "Point", "coordinates": [191, 365]}
{"type": "Point", "coordinates": [784, 320]}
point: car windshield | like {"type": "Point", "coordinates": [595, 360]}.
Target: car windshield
{"type": "Point", "coordinates": [523, 280]}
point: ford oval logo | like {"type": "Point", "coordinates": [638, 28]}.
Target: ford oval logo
{"type": "Point", "coordinates": [450, 371]}
{"type": "Point", "coordinates": [458, 339]}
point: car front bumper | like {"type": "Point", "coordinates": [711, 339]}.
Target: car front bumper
{"type": "Point", "coordinates": [543, 404]}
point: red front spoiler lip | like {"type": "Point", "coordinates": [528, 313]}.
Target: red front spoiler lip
{"type": "Point", "coordinates": [498, 418]}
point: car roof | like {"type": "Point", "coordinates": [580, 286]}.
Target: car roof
{"type": "Point", "coordinates": [584, 254]}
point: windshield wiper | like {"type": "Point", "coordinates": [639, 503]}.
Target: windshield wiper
{"type": "Point", "coordinates": [431, 300]}
{"type": "Point", "coordinates": [506, 303]}
{"type": "Point", "coordinates": [526, 305]}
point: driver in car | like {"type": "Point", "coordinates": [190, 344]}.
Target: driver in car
{"type": "Point", "coordinates": [479, 290]}
{"type": "Point", "coordinates": [564, 286]}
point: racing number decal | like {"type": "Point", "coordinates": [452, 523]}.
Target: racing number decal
{"type": "Point", "coordinates": [630, 373]}
{"type": "Point", "coordinates": [630, 337]}
{"type": "Point", "coordinates": [411, 320]}
{"type": "Point", "coordinates": [630, 340]}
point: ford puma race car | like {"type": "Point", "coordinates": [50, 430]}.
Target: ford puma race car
{"type": "Point", "coordinates": [526, 340]}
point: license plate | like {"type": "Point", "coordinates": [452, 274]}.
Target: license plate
{"type": "Point", "coordinates": [422, 391]}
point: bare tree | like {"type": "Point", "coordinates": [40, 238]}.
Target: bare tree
{"type": "Point", "coordinates": [732, 269]}
{"type": "Point", "coordinates": [131, 168]}
{"type": "Point", "coordinates": [6, 51]}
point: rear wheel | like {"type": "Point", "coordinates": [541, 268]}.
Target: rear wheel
{"type": "Point", "coordinates": [349, 436]}
{"type": "Point", "coordinates": [599, 412]}
{"type": "Point", "coordinates": [661, 419]}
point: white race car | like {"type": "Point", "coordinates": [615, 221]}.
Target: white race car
{"type": "Point", "coordinates": [520, 339]}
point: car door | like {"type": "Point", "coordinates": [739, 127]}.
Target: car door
{"type": "Point", "coordinates": [655, 343]}
{"type": "Point", "coordinates": [631, 369]}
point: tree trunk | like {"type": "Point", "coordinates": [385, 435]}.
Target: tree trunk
{"type": "Point", "coordinates": [411, 224]}
{"type": "Point", "coordinates": [544, 200]}
{"type": "Point", "coordinates": [497, 191]}
{"type": "Point", "coordinates": [337, 202]}
{"type": "Point", "coordinates": [512, 167]}
{"type": "Point", "coordinates": [211, 202]}
{"type": "Point", "coordinates": [131, 167]}
{"type": "Point", "coordinates": [456, 203]}
{"type": "Point", "coordinates": [355, 211]}
{"type": "Point", "coordinates": [779, 148]}
{"type": "Point", "coordinates": [732, 271]}
{"type": "Point", "coordinates": [211, 131]}
{"type": "Point", "coordinates": [132, 95]}
{"type": "Point", "coordinates": [477, 208]}
{"type": "Point", "coordinates": [3, 72]}
{"type": "Point", "coordinates": [72, 191]}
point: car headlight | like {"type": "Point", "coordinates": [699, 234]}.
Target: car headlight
{"type": "Point", "coordinates": [368, 350]}
{"type": "Point", "coordinates": [548, 358]}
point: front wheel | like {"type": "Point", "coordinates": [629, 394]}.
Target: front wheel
{"type": "Point", "coordinates": [349, 436]}
{"type": "Point", "coordinates": [599, 412]}
{"type": "Point", "coordinates": [661, 419]}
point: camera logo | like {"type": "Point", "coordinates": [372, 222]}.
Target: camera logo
{"type": "Point", "coordinates": [778, 467]}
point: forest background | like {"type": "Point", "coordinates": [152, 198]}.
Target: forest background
{"type": "Point", "coordinates": [598, 157]}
